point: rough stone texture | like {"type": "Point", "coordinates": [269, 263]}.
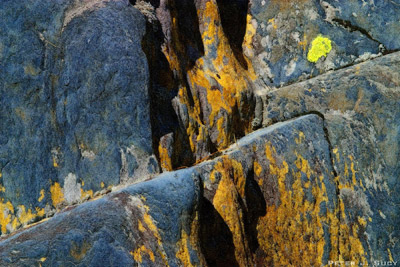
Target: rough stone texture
{"type": "Point", "coordinates": [151, 224]}
{"type": "Point", "coordinates": [274, 178]}
{"type": "Point", "coordinates": [273, 198]}
{"type": "Point", "coordinates": [90, 89]}
{"type": "Point", "coordinates": [286, 47]}
{"type": "Point", "coordinates": [214, 99]}
{"type": "Point", "coordinates": [361, 108]}
{"type": "Point", "coordinates": [74, 103]}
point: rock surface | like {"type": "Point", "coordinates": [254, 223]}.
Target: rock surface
{"type": "Point", "coordinates": [361, 108]}
{"type": "Point", "coordinates": [297, 40]}
{"type": "Point", "coordinates": [74, 112]}
{"type": "Point", "coordinates": [103, 93]}
{"type": "Point", "coordinates": [152, 224]}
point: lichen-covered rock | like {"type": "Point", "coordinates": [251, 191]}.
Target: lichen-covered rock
{"type": "Point", "coordinates": [74, 108]}
{"type": "Point", "coordinates": [149, 224]}
{"type": "Point", "coordinates": [214, 102]}
{"type": "Point", "coordinates": [273, 197]}
{"type": "Point", "coordinates": [268, 200]}
{"type": "Point", "coordinates": [91, 89]}
{"type": "Point", "coordinates": [296, 40]}
{"type": "Point", "coordinates": [360, 105]}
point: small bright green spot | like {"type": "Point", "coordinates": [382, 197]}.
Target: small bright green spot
{"type": "Point", "coordinates": [320, 47]}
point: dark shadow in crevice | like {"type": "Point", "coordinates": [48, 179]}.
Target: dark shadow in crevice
{"type": "Point", "coordinates": [162, 85]}
{"type": "Point", "coordinates": [216, 239]}
{"type": "Point", "coordinates": [256, 208]}
{"type": "Point", "coordinates": [233, 15]}
{"type": "Point", "coordinates": [188, 28]}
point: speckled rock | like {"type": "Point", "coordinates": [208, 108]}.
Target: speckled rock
{"type": "Point", "coordinates": [74, 107]}
{"type": "Point", "coordinates": [275, 179]}
{"type": "Point", "coordinates": [297, 40]}
{"type": "Point", "coordinates": [361, 108]}
{"type": "Point", "coordinates": [273, 196]}
{"type": "Point", "coordinates": [149, 224]}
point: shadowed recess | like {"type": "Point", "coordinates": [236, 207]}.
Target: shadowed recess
{"type": "Point", "coordinates": [233, 19]}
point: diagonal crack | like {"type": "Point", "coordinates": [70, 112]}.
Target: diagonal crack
{"type": "Point", "coordinates": [354, 28]}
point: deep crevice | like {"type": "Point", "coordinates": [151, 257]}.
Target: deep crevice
{"type": "Point", "coordinates": [233, 15]}
{"type": "Point", "coordinates": [216, 240]}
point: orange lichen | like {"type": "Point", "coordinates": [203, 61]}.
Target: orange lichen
{"type": "Point", "coordinates": [142, 250]}
{"type": "Point", "coordinates": [292, 233]}
{"type": "Point", "coordinates": [57, 195]}
{"type": "Point", "coordinates": [6, 209]}
{"type": "Point", "coordinates": [86, 194]}
{"type": "Point", "coordinates": [218, 76]}
{"type": "Point", "coordinates": [300, 139]}
{"type": "Point", "coordinates": [257, 168]}
{"type": "Point", "coordinates": [226, 201]}
{"type": "Point", "coordinates": [41, 195]}
{"type": "Point", "coordinates": [148, 223]}
{"type": "Point", "coordinates": [183, 250]}
{"type": "Point", "coordinates": [165, 158]}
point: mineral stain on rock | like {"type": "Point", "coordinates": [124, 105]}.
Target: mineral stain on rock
{"type": "Point", "coordinates": [274, 124]}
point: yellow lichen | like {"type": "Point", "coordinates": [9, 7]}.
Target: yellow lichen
{"type": "Point", "coordinates": [86, 194]}
{"type": "Point", "coordinates": [226, 201]}
{"type": "Point", "coordinates": [102, 185]}
{"type": "Point", "coordinates": [57, 195]}
{"type": "Point", "coordinates": [41, 195]}
{"type": "Point", "coordinates": [41, 260]}
{"type": "Point", "coordinates": [139, 252]}
{"type": "Point", "coordinates": [165, 159]}
{"type": "Point", "coordinates": [220, 76]}
{"type": "Point", "coordinates": [257, 168]}
{"type": "Point", "coordinates": [320, 47]}
{"type": "Point", "coordinates": [183, 250]}
{"type": "Point", "coordinates": [6, 209]}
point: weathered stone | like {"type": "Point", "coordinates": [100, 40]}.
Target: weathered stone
{"type": "Point", "coordinates": [215, 99]}
{"type": "Point", "coordinates": [151, 224]}
{"type": "Point", "coordinates": [361, 108]}
{"type": "Point", "coordinates": [273, 194]}
{"type": "Point", "coordinates": [74, 109]}
{"type": "Point", "coordinates": [296, 40]}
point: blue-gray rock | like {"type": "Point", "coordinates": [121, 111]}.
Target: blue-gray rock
{"type": "Point", "coordinates": [147, 224]}
{"type": "Point", "coordinates": [296, 40]}
{"type": "Point", "coordinates": [74, 103]}
{"type": "Point", "coordinates": [361, 108]}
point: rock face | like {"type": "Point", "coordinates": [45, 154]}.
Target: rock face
{"type": "Point", "coordinates": [361, 109]}
{"type": "Point", "coordinates": [96, 94]}
{"type": "Point", "coordinates": [152, 224]}
{"type": "Point", "coordinates": [74, 104]}
{"type": "Point", "coordinates": [301, 39]}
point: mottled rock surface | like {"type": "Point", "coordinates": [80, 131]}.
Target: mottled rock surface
{"type": "Point", "coordinates": [361, 108]}
{"type": "Point", "coordinates": [103, 93]}
{"type": "Point", "coordinates": [74, 111]}
{"type": "Point", "coordinates": [152, 224]}
{"type": "Point", "coordinates": [300, 39]}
